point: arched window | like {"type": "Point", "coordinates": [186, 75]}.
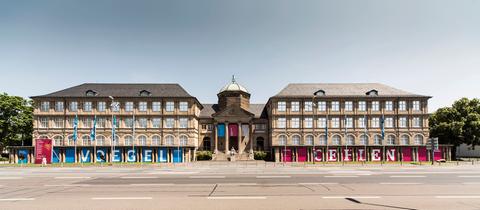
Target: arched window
{"type": "Point", "coordinates": [156, 140]}
{"type": "Point", "coordinates": [336, 140]}
{"type": "Point", "coordinates": [309, 140]}
{"type": "Point", "coordinates": [71, 142]}
{"type": "Point", "coordinates": [377, 140]}
{"type": "Point", "coordinates": [43, 137]}
{"type": "Point", "coordinates": [116, 140]}
{"type": "Point", "coordinates": [169, 140]}
{"type": "Point", "coordinates": [405, 140]}
{"type": "Point", "coordinates": [128, 140]}
{"type": "Point", "coordinates": [206, 144]}
{"type": "Point", "coordinates": [391, 140]}
{"type": "Point", "coordinates": [296, 140]}
{"type": "Point", "coordinates": [350, 140]}
{"type": "Point", "coordinates": [100, 140]}
{"type": "Point", "coordinates": [363, 139]}
{"type": "Point", "coordinates": [260, 144]}
{"type": "Point", "coordinates": [58, 141]}
{"type": "Point", "coordinates": [282, 140]}
{"type": "Point", "coordinates": [183, 140]}
{"type": "Point", "coordinates": [142, 140]}
{"type": "Point", "coordinates": [86, 140]}
{"type": "Point", "coordinates": [418, 139]}
{"type": "Point", "coordinates": [323, 140]}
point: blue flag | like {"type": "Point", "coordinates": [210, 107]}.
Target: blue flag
{"type": "Point", "coordinates": [326, 129]}
{"type": "Point", "coordinates": [75, 128]}
{"type": "Point", "coordinates": [382, 126]}
{"type": "Point", "coordinates": [94, 129]}
{"type": "Point", "coordinates": [114, 122]}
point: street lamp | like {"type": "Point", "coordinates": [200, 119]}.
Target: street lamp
{"type": "Point", "coordinates": [112, 152]}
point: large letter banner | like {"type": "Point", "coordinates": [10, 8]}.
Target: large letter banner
{"type": "Point", "coordinates": [177, 155]}
{"type": "Point", "coordinates": [302, 154]}
{"type": "Point", "coordinates": [69, 155]}
{"type": "Point", "coordinates": [131, 155]}
{"type": "Point", "coordinates": [347, 154]}
{"type": "Point", "coordinates": [407, 154]}
{"type": "Point", "coordinates": [221, 130]}
{"type": "Point", "coordinates": [391, 154]}
{"type": "Point", "coordinates": [361, 154]}
{"type": "Point", "coordinates": [162, 155]}
{"type": "Point", "coordinates": [101, 155]}
{"type": "Point", "coordinates": [422, 154]}
{"type": "Point", "coordinates": [233, 130]}
{"type": "Point", "coordinates": [376, 154]}
{"type": "Point", "coordinates": [23, 156]}
{"type": "Point", "coordinates": [332, 154]}
{"type": "Point", "coordinates": [85, 156]}
{"type": "Point", "coordinates": [147, 155]}
{"type": "Point", "coordinates": [55, 156]}
{"type": "Point", "coordinates": [43, 149]}
{"type": "Point", "coordinates": [319, 155]}
{"type": "Point", "coordinates": [287, 155]}
{"type": "Point", "coordinates": [438, 154]}
{"type": "Point", "coordinates": [117, 157]}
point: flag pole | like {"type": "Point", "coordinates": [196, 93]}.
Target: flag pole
{"type": "Point", "coordinates": [365, 134]}
{"type": "Point", "coordinates": [75, 133]}
{"type": "Point", "coordinates": [133, 133]}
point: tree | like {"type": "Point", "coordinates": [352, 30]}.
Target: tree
{"type": "Point", "coordinates": [16, 116]}
{"type": "Point", "coordinates": [458, 124]}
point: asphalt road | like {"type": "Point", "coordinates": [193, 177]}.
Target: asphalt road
{"type": "Point", "coordinates": [241, 187]}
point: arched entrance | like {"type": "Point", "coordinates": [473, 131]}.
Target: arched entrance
{"type": "Point", "coordinates": [260, 144]}
{"type": "Point", "coordinates": [206, 144]}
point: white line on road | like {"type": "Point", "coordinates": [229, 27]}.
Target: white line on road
{"type": "Point", "coordinates": [340, 176]}
{"type": "Point", "coordinates": [174, 172]}
{"type": "Point", "coordinates": [469, 176]}
{"type": "Point", "coordinates": [272, 177]}
{"type": "Point", "coordinates": [207, 177]}
{"type": "Point", "coordinates": [17, 199]}
{"type": "Point", "coordinates": [139, 177]}
{"type": "Point", "coordinates": [151, 184]}
{"type": "Point", "coordinates": [66, 185]}
{"type": "Point", "coordinates": [72, 177]}
{"type": "Point", "coordinates": [400, 183]}
{"type": "Point", "coordinates": [237, 198]}
{"type": "Point", "coordinates": [318, 183]}
{"type": "Point", "coordinates": [11, 177]}
{"type": "Point", "coordinates": [407, 176]}
{"type": "Point", "coordinates": [458, 196]}
{"type": "Point", "coordinates": [355, 197]}
{"type": "Point", "coordinates": [238, 184]}
{"type": "Point", "coordinates": [471, 183]}
{"type": "Point", "coordinates": [122, 198]}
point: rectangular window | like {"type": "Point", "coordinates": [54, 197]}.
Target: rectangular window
{"type": "Point", "coordinates": [142, 106]}
{"type": "Point", "coordinates": [156, 122]}
{"type": "Point", "coordinates": [375, 106]}
{"type": "Point", "coordinates": [389, 122]}
{"type": "Point", "coordinates": [388, 105]}
{"type": "Point", "coordinates": [308, 106]}
{"type": "Point", "coordinates": [129, 106]}
{"type": "Point", "coordinates": [183, 122]}
{"type": "Point", "coordinates": [170, 106]}
{"type": "Point", "coordinates": [183, 106]}
{"type": "Point", "coordinates": [73, 106]}
{"type": "Point", "coordinates": [43, 122]}
{"type": "Point", "coordinates": [70, 121]}
{"type": "Point", "coordinates": [115, 107]}
{"type": "Point", "coordinates": [142, 122]}
{"type": "Point", "coordinates": [87, 122]}
{"type": "Point", "coordinates": [349, 122]}
{"type": "Point", "coordinates": [101, 122]}
{"type": "Point", "coordinates": [335, 122]}
{"type": "Point", "coordinates": [402, 106]}
{"type": "Point", "coordinates": [260, 126]}
{"type": "Point", "coordinates": [335, 106]}
{"type": "Point", "coordinates": [402, 122]}
{"type": "Point", "coordinates": [281, 106]}
{"type": "Point", "coordinates": [87, 106]}
{"type": "Point", "coordinates": [361, 122]}
{"type": "Point", "coordinates": [129, 122]}
{"type": "Point", "coordinates": [322, 106]}
{"type": "Point", "coordinates": [416, 105]}
{"type": "Point", "coordinates": [417, 122]}
{"type": "Point", "coordinates": [156, 106]}
{"type": "Point", "coordinates": [362, 106]}
{"type": "Point", "coordinates": [295, 106]}
{"type": "Point", "coordinates": [169, 123]}
{"type": "Point", "coordinates": [348, 106]}
{"type": "Point", "coordinates": [375, 122]}
{"type": "Point", "coordinates": [281, 122]}
{"type": "Point", "coordinates": [45, 106]}
{"type": "Point", "coordinates": [58, 122]}
{"type": "Point", "coordinates": [59, 106]}
{"type": "Point", "coordinates": [322, 122]}
{"type": "Point", "coordinates": [308, 122]}
{"type": "Point", "coordinates": [101, 106]}
{"type": "Point", "coordinates": [295, 122]}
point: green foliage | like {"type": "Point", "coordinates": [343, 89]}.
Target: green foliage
{"type": "Point", "coordinates": [16, 116]}
{"type": "Point", "coordinates": [204, 155]}
{"type": "Point", "coordinates": [457, 124]}
{"type": "Point", "coordinates": [260, 155]}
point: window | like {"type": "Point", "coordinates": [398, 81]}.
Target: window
{"type": "Point", "coordinates": [59, 106]}
{"type": "Point", "coordinates": [183, 140]}
{"type": "Point", "coordinates": [336, 140]}
{"type": "Point", "coordinates": [322, 122]}
{"type": "Point", "coordinates": [156, 106]}
{"type": "Point", "coordinates": [308, 106]}
{"type": "Point", "coordinates": [350, 140]}
{"type": "Point", "coordinates": [323, 140]}
{"type": "Point", "coordinates": [362, 106]}
{"type": "Point", "coordinates": [349, 122]}
{"type": "Point", "coordinates": [260, 127]}
{"type": "Point", "coordinates": [402, 122]}
{"type": "Point", "coordinates": [281, 122]}
{"type": "Point", "coordinates": [295, 122]}
{"type": "Point", "coordinates": [389, 106]}
{"type": "Point", "coordinates": [115, 140]}
{"type": "Point", "coordinates": [129, 122]}
{"type": "Point", "coordinates": [156, 140]}
{"type": "Point", "coordinates": [375, 122]}
{"type": "Point", "coordinates": [170, 106]}
{"type": "Point", "coordinates": [129, 106]}
{"type": "Point", "coordinates": [86, 140]}
{"type": "Point", "coordinates": [58, 122]}
{"type": "Point", "coordinates": [419, 139]}
{"type": "Point", "coordinates": [282, 140]}
{"type": "Point", "coordinates": [335, 122]}
{"type": "Point", "coordinates": [183, 122]}
{"type": "Point", "coordinates": [391, 140]}
{"type": "Point", "coordinates": [101, 122]}
{"type": "Point", "coordinates": [416, 105]}
{"type": "Point", "coordinates": [322, 106]}
{"type": "Point", "coordinates": [115, 107]}
{"type": "Point", "coordinates": [73, 106]}
{"type": "Point", "coordinates": [296, 140]}
{"type": "Point", "coordinates": [87, 122]}
{"type": "Point", "coordinates": [375, 106]}
{"type": "Point", "coordinates": [417, 122]}
{"type": "Point", "coordinates": [335, 106]}
{"type": "Point", "coordinates": [87, 106]}
{"type": "Point", "coordinates": [402, 106]}
{"type": "Point", "coordinates": [308, 122]}
{"type": "Point", "coordinates": [142, 122]}
{"type": "Point", "coordinates": [389, 122]}
{"type": "Point", "coordinates": [70, 121]}
{"type": "Point", "coordinates": [101, 106]}
{"type": "Point", "coordinates": [100, 140]}
{"type": "Point", "coordinates": [309, 140]}
{"type": "Point", "coordinates": [128, 140]}
{"type": "Point", "coordinates": [183, 106]}
{"type": "Point", "coordinates": [295, 106]}
{"type": "Point", "coordinates": [363, 139]}
{"type": "Point", "coordinates": [156, 122]}
{"type": "Point", "coordinates": [169, 140]}
{"type": "Point", "coordinates": [71, 142]}
{"type": "Point", "coordinates": [281, 106]}
{"type": "Point", "coordinates": [142, 140]}
{"type": "Point", "coordinates": [362, 122]}
{"type": "Point", "coordinates": [142, 106]}
{"type": "Point", "coordinates": [58, 141]}
{"type": "Point", "coordinates": [377, 140]}
{"type": "Point", "coordinates": [348, 106]}
{"type": "Point", "coordinates": [45, 106]}
{"type": "Point", "coordinates": [169, 123]}
{"type": "Point", "coordinates": [405, 140]}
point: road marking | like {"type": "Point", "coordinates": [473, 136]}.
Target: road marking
{"type": "Point", "coordinates": [166, 184]}
{"type": "Point", "coordinates": [340, 176]}
{"type": "Point", "coordinates": [139, 177]}
{"type": "Point", "coordinates": [400, 183]}
{"type": "Point", "coordinates": [17, 199]}
{"type": "Point", "coordinates": [458, 196]}
{"type": "Point", "coordinates": [72, 177]}
{"type": "Point", "coordinates": [407, 176]}
{"type": "Point", "coordinates": [174, 172]}
{"type": "Point", "coordinates": [237, 184]}
{"type": "Point", "coordinates": [207, 177]}
{"type": "Point", "coordinates": [11, 177]}
{"type": "Point", "coordinates": [272, 177]}
{"type": "Point", "coordinates": [66, 185]}
{"type": "Point", "coordinates": [237, 198]}
{"type": "Point", "coordinates": [122, 198]}
{"type": "Point", "coordinates": [469, 176]}
{"type": "Point", "coordinates": [471, 183]}
{"type": "Point", "coordinates": [325, 183]}
{"type": "Point", "coordinates": [355, 197]}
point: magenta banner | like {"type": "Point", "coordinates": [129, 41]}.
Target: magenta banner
{"type": "Point", "coordinates": [361, 154]}
{"type": "Point", "coordinates": [233, 130]}
{"type": "Point", "coordinates": [43, 149]}
{"type": "Point", "coordinates": [376, 154]}
{"type": "Point", "coordinates": [287, 154]}
{"type": "Point", "coordinates": [302, 154]}
{"type": "Point", "coordinates": [422, 154]}
{"type": "Point", "coordinates": [391, 154]}
{"type": "Point", "coordinates": [319, 155]}
{"type": "Point", "coordinates": [332, 155]}
{"type": "Point", "coordinates": [407, 154]}
{"type": "Point", "coordinates": [347, 154]}
{"type": "Point", "coordinates": [438, 154]}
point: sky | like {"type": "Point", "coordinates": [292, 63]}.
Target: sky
{"type": "Point", "coordinates": [429, 47]}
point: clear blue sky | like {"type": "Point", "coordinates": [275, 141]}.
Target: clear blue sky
{"type": "Point", "coordinates": [429, 47]}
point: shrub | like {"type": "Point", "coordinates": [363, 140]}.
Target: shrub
{"type": "Point", "coordinates": [260, 155]}
{"type": "Point", "coordinates": [204, 155]}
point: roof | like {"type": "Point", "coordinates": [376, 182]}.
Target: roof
{"type": "Point", "coordinates": [342, 90]}
{"type": "Point", "coordinates": [233, 86]}
{"type": "Point", "coordinates": [209, 109]}
{"type": "Point", "coordinates": [121, 90]}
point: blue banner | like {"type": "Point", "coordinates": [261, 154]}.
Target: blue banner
{"type": "Point", "coordinates": [162, 155]}
{"type": "Point", "coordinates": [55, 155]}
{"type": "Point", "coordinates": [221, 130]}
{"type": "Point", "coordinates": [147, 155]}
{"type": "Point", "coordinates": [177, 155]}
{"type": "Point", "coordinates": [23, 156]}
{"type": "Point", "coordinates": [101, 155]}
{"type": "Point", "coordinates": [85, 156]}
{"type": "Point", "coordinates": [69, 155]}
{"type": "Point", "coordinates": [131, 155]}
{"type": "Point", "coordinates": [117, 156]}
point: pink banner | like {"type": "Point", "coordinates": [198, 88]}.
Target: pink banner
{"type": "Point", "coordinates": [438, 154]}
{"type": "Point", "coordinates": [407, 154]}
{"type": "Point", "coordinates": [361, 154]}
{"type": "Point", "coordinates": [302, 154]}
{"type": "Point", "coordinates": [422, 154]}
{"type": "Point", "coordinates": [391, 154]}
{"type": "Point", "coordinates": [287, 154]}
{"type": "Point", "coordinates": [332, 155]}
{"type": "Point", "coordinates": [376, 154]}
{"type": "Point", "coordinates": [43, 151]}
{"type": "Point", "coordinates": [232, 129]}
{"type": "Point", "coordinates": [319, 155]}
{"type": "Point", "coordinates": [347, 154]}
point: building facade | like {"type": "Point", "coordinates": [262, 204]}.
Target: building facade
{"type": "Point", "coordinates": [303, 122]}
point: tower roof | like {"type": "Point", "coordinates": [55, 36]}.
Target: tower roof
{"type": "Point", "coordinates": [234, 86]}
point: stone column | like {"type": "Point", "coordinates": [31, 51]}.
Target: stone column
{"type": "Point", "coordinates": [216, 138]}
{"type": "Point", "coordinates": [250, 135]}
{"type": "Point", "coordinates": [226, 138]}
{"type": "Point", "coordinates": [240, 150]}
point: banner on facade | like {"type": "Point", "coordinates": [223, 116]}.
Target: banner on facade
{"type": "Point", "coordinates": [85, 155]}
{"type": "Point", "coordinates": [43, 149]}
{"type": "Point", "coordinates": [147, 155]}
{"type": "Point", "coordinates": [376, 154]}
{"type": "Point", "coordinates": [318, 155]}
{"type": "Point", "coordinates": [162, 155]}
{"type": "Point", "coordinates": [391, 154]}
{"type": "Point", "coordinates": [221, 130]}
{"type": "Point", "coordinates": [69, 155]}
{"type": "Point", "coordinates": [245, 130]}
{"type": "Point", "coordinates": [233, 130]}
{"type": "Point", "coordinates": [361, 154]}
{"type": "Point", "coordinates": [332, 155]}
{"type": "Point", "coordinates": [23, 156]}
{"type": "Point", "coordinates": [101, 155]}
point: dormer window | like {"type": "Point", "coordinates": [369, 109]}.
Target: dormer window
{"type": "Point", "coordinates": [372, 93]}
{"type": "Point", "coordinates": [90, 93]}
{"type": "Point", "coordinates": [319, 93]}
{"type": "Point", "coordinates": [145, 93]}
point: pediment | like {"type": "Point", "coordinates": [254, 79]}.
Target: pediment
{"type": "Point", "coordinates": [233, 112]}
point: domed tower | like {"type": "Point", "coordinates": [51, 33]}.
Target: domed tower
{"type": "Point", "coordinates": [233, 94]}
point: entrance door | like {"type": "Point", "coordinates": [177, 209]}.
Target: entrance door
{"type": "Point", "coordinates": [233, 142]}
